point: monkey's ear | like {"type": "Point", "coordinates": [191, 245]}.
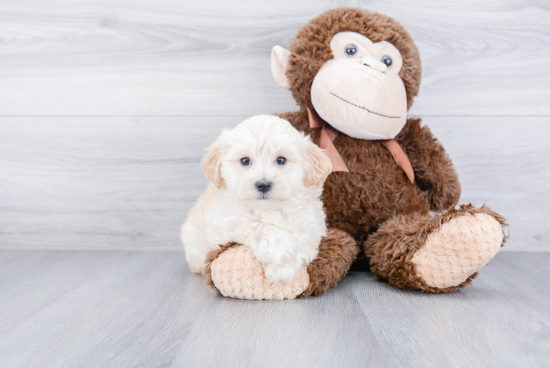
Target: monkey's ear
{"type": "Point", "coordinates": [279, 63]}
{"type": "Point", "coordinates": [319, 165]}
{"type": "Point", "coordinates": [211, 165]}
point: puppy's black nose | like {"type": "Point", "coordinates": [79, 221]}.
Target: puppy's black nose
{"type": "Point", "coordinates": [263, 186]}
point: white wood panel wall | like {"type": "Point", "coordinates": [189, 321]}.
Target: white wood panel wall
{"type": "Point", "coordinates": [106, 106]}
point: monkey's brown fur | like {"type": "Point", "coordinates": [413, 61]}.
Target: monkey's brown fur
{"type": "Point", "coordinates": [337, 252]}
{"type": "Point", "coordinates": [374, 202]}
{"type": "Point", "coordinates": [375, 207]}
{"type": "Point", "coordinates": [391, 248]}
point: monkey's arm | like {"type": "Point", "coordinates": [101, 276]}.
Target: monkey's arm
{"type": "Point", "coordinates": [433, 169]}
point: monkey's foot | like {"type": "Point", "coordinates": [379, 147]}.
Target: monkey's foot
{"type": "Point", "coordinates": [234, 271]}
{"type": "Point", "coordinates": [455, 251]}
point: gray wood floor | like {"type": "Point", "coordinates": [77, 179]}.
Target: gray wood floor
{"type": "Point", "coordinates": [122, 309]}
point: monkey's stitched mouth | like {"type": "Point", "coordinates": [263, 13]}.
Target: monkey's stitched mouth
{"type": "Point", "coordinates": [364, 108]}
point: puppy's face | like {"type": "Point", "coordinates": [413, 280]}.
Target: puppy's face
{"type": "Point", "coordinates": [265, 159]}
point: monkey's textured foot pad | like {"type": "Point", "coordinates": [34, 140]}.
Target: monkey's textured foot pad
{"type": "Point", "coordinates": [458, 249]}
{"type": "Point", "coordinates": [236, 273]}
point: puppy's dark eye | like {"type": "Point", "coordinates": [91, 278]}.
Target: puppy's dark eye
{"type": "Point", "coordinates": [281, 160]}
{"type": "Point", "coordinates": [351, 50]}
{"type": "Point", "coordinates": [386, 60]}
{"type": "Point", "coordinates": [245, 161]}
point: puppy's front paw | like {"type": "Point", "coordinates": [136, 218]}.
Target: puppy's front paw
{"type": "Point", "coordinates": [277, 248]}
{"type": "Point", "coordinates": [197, 267]}
{"type": "Point", "coordinates": [281, 273]}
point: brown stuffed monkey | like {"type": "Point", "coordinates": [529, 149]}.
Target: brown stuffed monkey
{"type": "Point", "coordinates": [354, 74]}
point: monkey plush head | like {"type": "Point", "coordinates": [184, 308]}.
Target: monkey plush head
{"type": "Point", "coordinates": [358, 69]}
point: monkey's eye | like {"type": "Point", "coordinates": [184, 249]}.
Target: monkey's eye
{"type": "Point", "coordinates": [386, 60]}
{"type": "Point", "coordinates": [245, 161]}
{"type": "Point", "coordinates": [351, 50]}
{"type": "Point", "coordinates": [281, 160]}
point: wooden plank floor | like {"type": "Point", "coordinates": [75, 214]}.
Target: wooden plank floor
{"type": "Point", "coordinates": [120, 309]}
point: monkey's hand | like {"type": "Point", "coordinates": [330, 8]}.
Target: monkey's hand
{"type": "Point", "coordinates": [434, 170]}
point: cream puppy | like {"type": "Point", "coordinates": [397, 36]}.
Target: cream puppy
{"type": "Point", "coordinates": [265, 182]}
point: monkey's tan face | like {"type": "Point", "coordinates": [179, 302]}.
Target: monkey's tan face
{"type": "Point", "coordinates": [359, 92]}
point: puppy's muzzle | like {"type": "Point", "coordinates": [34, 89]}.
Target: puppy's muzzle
{"type": "Point", "coordinates": [263, 186]}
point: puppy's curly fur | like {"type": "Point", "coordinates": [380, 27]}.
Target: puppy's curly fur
{"type": "Point", "coordinates": [266, 180]}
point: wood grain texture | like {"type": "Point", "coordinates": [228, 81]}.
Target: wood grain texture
{"type": "Point", "coordinates": [115, 183]}
{"type": "Point", "coordinates": [127, 183]}
{"type": "Point", "coordinates": [122, 57]}
{"type": "Point", "coordinates": [114, 309]}
{"type": "Point", "coordinates": [501, 161]}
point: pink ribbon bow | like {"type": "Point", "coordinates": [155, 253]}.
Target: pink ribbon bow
{"type": "Point", "coordinates": [329, 134]}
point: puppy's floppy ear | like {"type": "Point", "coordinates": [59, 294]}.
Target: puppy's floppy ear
{"type": "Point", "coordinates": [211, 164]}
{"type": "Point", "coordinates": [319, 165]}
